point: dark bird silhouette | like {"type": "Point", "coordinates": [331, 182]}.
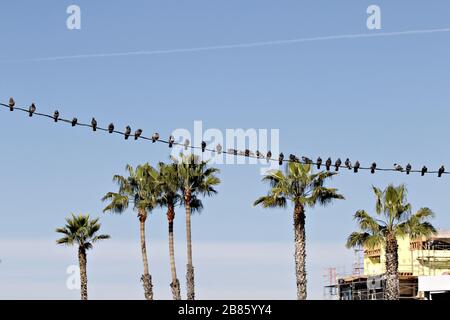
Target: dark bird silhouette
{"type": "Point", "coordinates": [408, 168]}
{"type": "Point", "coordinates": [127, 132]}
{"type": "Point", "coordinates": [328, 164]}
{"type": "Point", "coordinates": [111, 128]}
{"type": "Point", "coordinates": [247, 152]}
{"type": "Point", "coordinates": [137, 134]}
{"type": "Point", "coordinates": [56, 115]}
{"type": "Point", "coordinates": [424, 170]}
{"type": "Point", "coordinates": [356, 167]}
{"type": "Point", "coordinates": [319, 163]}
{"type": "Point", "coordinates": [74, 122]}
{"type": "Point", "coordinates": [398, 167]}
{"type": "Point", "coordinates": [338, 164]}
{"type": "Point", "coordinates": [441, 171]}
{"type": "Point", "coordinates": [281, 159]}
{"type": "Point", "coordinates": [94, 124]}
{"type": "Point", "coordinates": [373, 167]}
{"type": "Point", "coordinates": [348, 164]}
{"type": "Point", "coordinates": [293, 158]}
{"type": "Point", "coordinates": [203, 146]}
{"type": "Point", "coordinates": [268, 156]}
{"type": "Point", "coordinates": [171, 141]}
{"type": "Point", "coordinates": [12, 103]}
{"type": "Point", "coordinates": [31, 110]}
{"type": "Point", "coordinates": [155, 137]}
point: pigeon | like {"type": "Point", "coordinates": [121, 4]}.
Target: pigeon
{"type": "Point", "coordinates": [348, 164]}
{"type": "Point", "coordinates": [328, 164]}
{"type": "Point", "coordinates": [137, 134]}
{"type": "Point", "coordinates": [155, 137]}
{"type": "Point", "coordinates": [74, 122]}
{"type": "Point", "coordinates": [424, 170]}
{"type": "Point", "coordinates": [373, 168]}
{"type": "Point", "coordinates": [319, 163]}
{"type": "Point", "coordinates": [338, 164]}
{"type": "Point", "coordinates": [408, 168]}
{"type": "Point", "coordinates": [398, 167]}
{"type": "Point", "coordinates": [127, 132]}
{"type": "Point", "coordinates": [32, 110]}
{"type": "Point", "coordinates": [441, 171]}
{"type": "Point", "coordinates": [171, 141]}
{"type": "Point", "coordinates": [281, 159]}
{"type": "Point", "coordinates": [111, 128]}
{"type": "Point", "coordinates": [356, 167]}
{"type": "Point", "coordinates": [94, 124]}
{"type": "Point", "coordinates": [56, 115]}
{"type": "Point", "coordinates": [12, 103]}
{"type": "Point", "coordinates": [219, 148]}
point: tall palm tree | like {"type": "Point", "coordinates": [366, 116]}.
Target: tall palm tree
{"type": "Point", "coordinates": [169, 197]}
{"type": "Point", "coordinates": [139, 189]}
{"type": "Point", "coordinates": [195, 179]}
{"type": "Point", "coordinates": [302, 188]}
{"type": "Point", "coordinates": [393, 220]}
{"type": "Point", "coordinates": [82, 231]}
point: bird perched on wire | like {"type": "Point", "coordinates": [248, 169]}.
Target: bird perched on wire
{"type": "Point", "coordinates": [373, 167]}
{"type": "Point", "coordinates": [294, 158]}
{"type": "Point", "coordinates": [56, 115]}
{"type": "Point", "coordinates": [127, 132]}
{"type": "Point", "coordinates": [348, 164]}
{"type": "Point", "coordinates": [171, 141]}
{"type": "Point", "coordinates": [398, 167]}
{"type": "Point", "coordinates": [219, 148]}
{"type": "Point", "coordinates": [74, 122]}
{"type": "Point", "coordinates": [31, 110]}
{"type": "Point", "coordinates": [269, 156]}
{"type": "Point", "coordinates": [356, 166]}
{"type": "Point", "coordinates": [137, 134]}
{"type": "Point", "coordinates": [111, 128]}
{"type": "Point", "coordinates": [328, 164]}
{"type": "Point", "coordinates": [441, 171]}
{"type": "Point", "coordinates": [94, 124]}
{"type": "Point", "coordinates": [408, 168]}
{"type": "Point", "coordinates": [424, 170]}
{"type": "Point", "coordinates": [11, 104]}
{"type": "Point", "coordinates": [281, 159]}
{"type": "Point", "coordinates": [319, 163]}
{"type": "Point", "coordinates": [337, 164]}
{"type": "Point", "coordinates": [155, 137]}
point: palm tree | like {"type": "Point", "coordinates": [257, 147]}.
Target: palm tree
{"type": "Point", "coordinates": [169, 197]}
{"type": "Point", "coordinates": [82, 231]}
{"type": "Point", "coordinates": [302, 188]}
{"type": "Point", "coordinates": [140, 189]}
{"type": "Point", "coordinates": [394, 220]}
{"type": "Point", "coordinates": [195, 179]}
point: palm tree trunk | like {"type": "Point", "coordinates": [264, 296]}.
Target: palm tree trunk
{"type": "Point", "coordinates": [190, 267]}
{"type": "Point", "coordinates": [300, 251]}
{"type": "Point", "coordinates": [146, 277]}
{"type": "Point", "coordinates": [175, 285]}
{"type": "Point", "coordinates": [82, 259]}
{"type": "Point", "coordinates": [392, 280]}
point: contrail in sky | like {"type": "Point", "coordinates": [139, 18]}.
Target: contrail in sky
{"type": "Point", "coordinates": [231, 46]}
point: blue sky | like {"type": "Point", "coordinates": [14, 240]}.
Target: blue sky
{"type": "Point", "coordinates": [382, 99]}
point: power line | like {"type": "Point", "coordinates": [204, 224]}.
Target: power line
{"type": "Point", "coordinates": [31, 111]}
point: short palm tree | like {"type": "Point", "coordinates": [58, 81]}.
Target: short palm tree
{"type": "Point", "coordinates": [302, 188]}
{"type": "Point", "coordinates": [195, 179]}
{"type": "Point", "coordinates": [139, 189]}
{"type": "Point", "coordinates": [82, 231]}
{"type": "Point", "coordinates": [393, 220]}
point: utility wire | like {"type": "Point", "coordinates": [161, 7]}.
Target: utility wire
{"type": "Point", "coordinates": [236, 153]}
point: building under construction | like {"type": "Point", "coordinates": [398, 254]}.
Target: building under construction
{"type": "Point", "coordinates": [424, 272]}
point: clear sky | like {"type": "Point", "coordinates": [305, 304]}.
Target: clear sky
{"type": "Point", "coordinates": [382, 99]}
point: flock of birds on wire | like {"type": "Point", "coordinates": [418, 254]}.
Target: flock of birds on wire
{"type": "Point", "coordinates": [247, 153]}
